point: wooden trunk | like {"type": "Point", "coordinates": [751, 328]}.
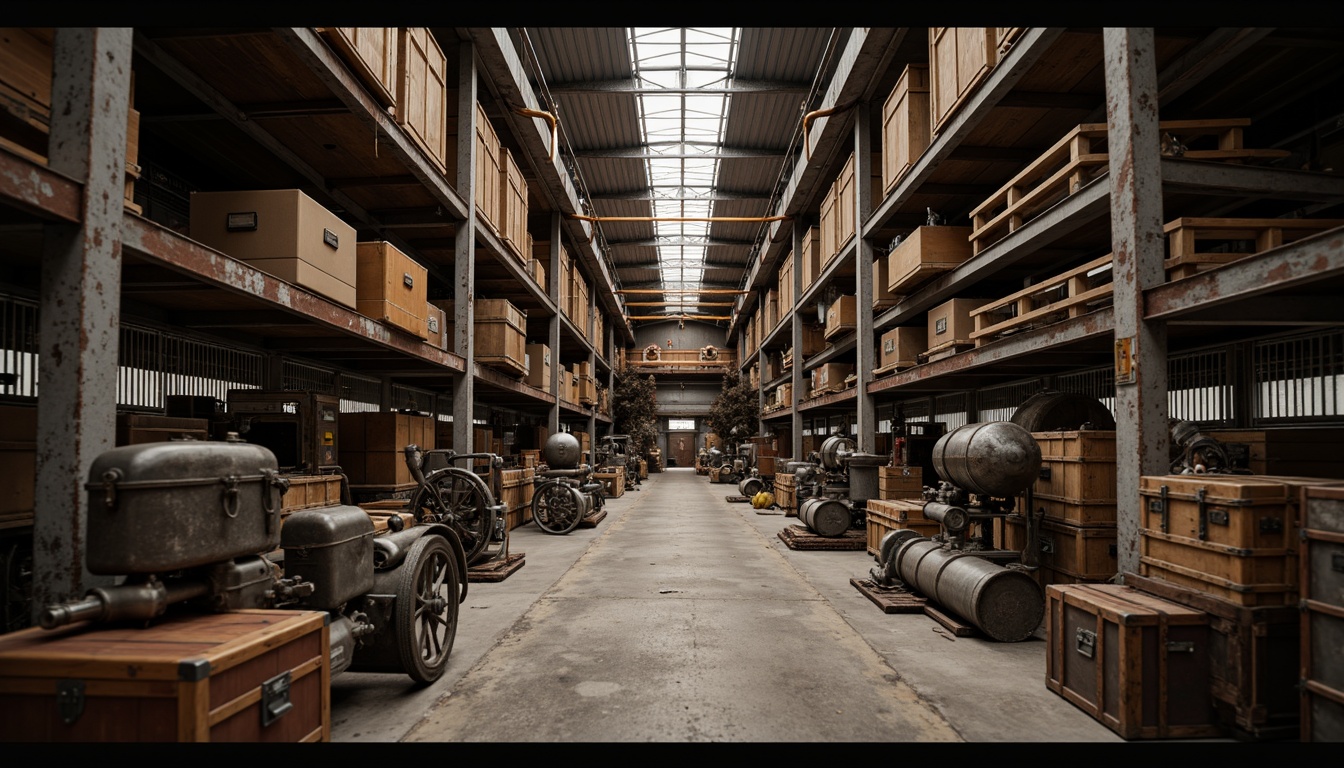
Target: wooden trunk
{"type": "Point", "coordinates": [188, 677]}
{"type": "Point", "coordinates": [1136, 663]}
{"type": "Point", "coordinates": [1253, 660]}
{"type": "Point", "coordinates": [390, 287]}
{"type": "Point", "coordinates": [1322, 614]}
{"type": "Point", "coordinates": [422, 106]}
{"type": "Point", "coordinates": [903, 482]}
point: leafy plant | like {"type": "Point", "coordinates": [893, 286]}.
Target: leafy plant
{"type": "Point", "coordinates": [634, 409]}
{"type": "Point", "coordinates": [738, 405]}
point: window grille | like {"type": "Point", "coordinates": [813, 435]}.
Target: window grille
{"type": "Point", "coordinates": [999, 403]}
{"type": "Point", "coordinates": [1296, 379]}
{"type": "Point", "coordinates": [18, 347]}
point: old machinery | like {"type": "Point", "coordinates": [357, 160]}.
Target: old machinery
{"type": "Point", "coordinates": [197, 526]}
{"type": "Point", "coordinates": [1195, 453]}
{"type": "Point", "coordinates": [833, 490]}
{"type": "Point", "coordinates": [460, 498]}
{"type": "Point", "coordinates": [565, 490]}
{"type": "Point", "coordinates": [1050, 411]}
{"type": "Point", "coordinates": [299, 427]}
{"type": "Point", "coordinates": [982, 467]}
{"type": "Point", "coordinates": [614, 451]}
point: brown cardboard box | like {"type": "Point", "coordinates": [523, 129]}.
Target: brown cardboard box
{"type": "Point", "coordinates": [841, 317]}
{"type": "Point", "coordinates": [390, 287]}
{"type": "Point", "coordinates": [902, 345]}
{"type": "Point", "coordinates": [951, 322]}
{"type": "Point", "coordinates": [282, 232]}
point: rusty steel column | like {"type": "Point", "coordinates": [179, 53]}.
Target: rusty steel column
{"type": "Point", "coordinates": [796, 421]}
{"type": "Point", "coordinates": [464, 263]}
{"type": "Point", "coordinates": [760, 367]}
{"type": "Point", "coordinates": [866, 418]}
{"type": "Point", "coordinates": [553, 283]}
{"type": "Point", "coordinates": [80, 297]}
{"type": "Point", "coordinates": [1142, 436]}
{"type": "Point", "coordinates": [590, 325]}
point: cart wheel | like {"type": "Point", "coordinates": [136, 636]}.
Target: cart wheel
{"type": "Point", "coordinates": [426, 608]}
{"type": "Point", "coordinates": [750, 486]}
{"type": "Point", "coordinates": [465, 502]}
{"type": "Point", "coordinates": [557, 508]}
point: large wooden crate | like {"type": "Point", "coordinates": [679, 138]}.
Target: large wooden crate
{"type": "Point", "coordinates": [516, 491]}
{"type": "Point", "coordinates": [372, 446]}
{"type": "Point", "coordinates": [809, 257]}
{"type": "Point", "coordinates": [489, 167]}
{"type": "Point", "coordinates": [1084, 553]}
{"type": "Point", "coordinates": [513, 206]}
{"type": "Point", "coordinates": [613, 482]}
{"type": "Point", "coordinates": [501, 336]}
{"type": "Point", "coordinates": [960, 58]}
{"type": "Point", "coordinates": [139, 428]}
{"type": "Point", "coordinates": [949, 324]}
{"type": "Point", "coordinates": [1136, 663]}
{"type": "Point", "coordinates": [422, 106]}
{"type": "Point", "coordinates": [187, 677]}
{"type": "Point", "coordinates": [1322, 614]}
{"type": "Point", "coordinates": [309, 492]}
{"type": "Point", "coordinates": [904, 482]}
{"type": "Point", "coordinates": [1253, 660]}
{"type": "Point", "coordinates": [390, 287]}
{"type": "Point", "coordinates": [371, 53]}
{"type": "Point", "coordinates": [906, 125]}
{"type": "Point", "coordinates": [841, 317]}
{"type": "Point", "coordinates": [786, 493]}
{"type": "Point", "coordinates": [925, 253]}
{"type": "Point", "coordinates": [883, 516]}
{"type": "Point", "coordinates": [1077, 466]}
{"type": "Point", "coordinates": [785, 285]}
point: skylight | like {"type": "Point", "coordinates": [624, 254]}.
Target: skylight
{"type": "Point", "coordinates": [683, 132]}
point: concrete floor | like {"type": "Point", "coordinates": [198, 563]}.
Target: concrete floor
{"type": "Point", "coordinates": [682, 617]}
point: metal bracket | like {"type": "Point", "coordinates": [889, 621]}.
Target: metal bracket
{"type": "Point", "coordinates": [70, 700]}
{"type": "Point", "coordinates": [1221, 517]}
{"type": "Point", "coordinates": [1086, 642]}
{"type": "Point", "coordinates": [275, 701]}
{"type": "Point", "coordinates": [1203, 514]}
{"type": "Point", "coordinates": [1180, 646]}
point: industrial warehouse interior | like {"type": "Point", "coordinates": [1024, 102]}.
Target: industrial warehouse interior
{"type": "Point", "coordinates": [605, 384]}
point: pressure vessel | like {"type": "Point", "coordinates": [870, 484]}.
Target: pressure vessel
{"type": "Point", "coordinates": [562, 451]}
{"type": "Point", "coordinates": [996, 458]}
{"type": "Point", "coordinates": [1005, 604]}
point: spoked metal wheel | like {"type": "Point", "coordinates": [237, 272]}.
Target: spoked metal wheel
{"type": "Point", "coordinates": [426, 608]}
{"type": "Point", "coordinates": [460, 499]}
{"type": "Point", "coordinates": [557, 508]}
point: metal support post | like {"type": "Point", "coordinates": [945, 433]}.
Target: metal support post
{"type": "Point", "coordinates": [464, 264]}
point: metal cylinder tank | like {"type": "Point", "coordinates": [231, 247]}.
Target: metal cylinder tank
{"type": "Point", "coordinates": [562, 451]}
{"type": "Point", "coordinates": [863, 475]}
{"type": "Point", "coordinates": [996, 458]}
{"type": "Point", "coordinates": [1049, 411]}
{"type": "Point", "coordinates": [1006, 604]}
{"type": "Point", "coordinates": [826, 517]}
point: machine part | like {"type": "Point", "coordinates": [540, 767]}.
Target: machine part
{"type": "Point", "coordinates": [16, 581]}
{"type": "Point", "coordinates": [953, 518]}
{"type": "Point", "coordinates": [342, 644]}
{"type": "Point", "coordinates": [1193, 452]}
{"type": "Point", "coordinates": [427, 608]}
{"type": "Point", "coordinates": [168, 506]}
{"type": "Point", "coordinates": [558, 508]}
{"type": "Point", "coordinates": [459, 498]}
{"type": "Point", "coordinates": [884, 573]}
{"type": "Point", "coordinates": [562, 451]}
{"type": "Point", "coordinates": [750, 486]}
{"type": "Point", "coordinates": [996, 458]}
{"type": "Point", "coordinates": [332, 547]}
{"type": "Point", "coordinates": [862, 469]}
{"type": "Point", "coordinates": [241, 583]}
{"type": "Point", "coordinates": [1006, 604]}
{"type": "Point", "coordinates": [299, 427]}
{"type": "Point", "coordinates": [1050, 411]}
{"type": "Point", "coordinates": [835, 452]}
{"type": "Point", "coordinates": [826, 517]}
{"type": "Point", "coordinates": [138, 601]}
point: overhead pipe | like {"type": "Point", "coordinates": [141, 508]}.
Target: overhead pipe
{"type": "Point", "coordinates": [681, 317]}
{"type": "Point", "coordinates": [810, 116]}
{"type": "Point", "coordinates": [548, 117]}
{"type": "Point", "coordinates": [683, 290]}
{"type": "Point", "coordinates": [735, 219]}
{"type": "Point", "coordinates": [670, 302]}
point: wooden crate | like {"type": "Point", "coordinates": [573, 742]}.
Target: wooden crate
{"type": "Point", "coordinates": [1249, 577]}
{"type": "Point", "coordinates": [886, 515]}
{"type": "Point", "coordinates": [1077, 466]}
{"type": "Point", "coordinates": [786, 493]}
{"type": "Point", "coordinates": [883, 298]}
{"type": "Point", "coordinates": [513, 207]}
{"type": "Point", "coordinates": [489, 169]}
{"type": "Point", "coordinates": [1081, 513]}
{"type": "Point", "coordinates": [187, 677]}
{"type": "Point", "coordinates": [906, 125]}
{"type": "Point", "coordinates": [960, 58]}
{"type": "Point", "coordinates": [1086, 553]}
{"type": "Point", "coordinates": [1198, 244]}
{"type": "Point", "coordinates": [1287, 450]}
{"type": "Point", "coordinates": [390, 287]}
{"type": "Point", "coordinates": [1321, 669]}
{"type": "Point", "coordinates": [899, 348]}
{"type": "Point", "coordinates": [809, 257]}
{"type": "Point", "coordinates": [422, 92]}
{"type": "Point", "coordinates": [1073, 293]}
{"type": "Point", "coordinates": [841, 317]}
{"type": "Point", "coordinates": [310, 491]}
{"type": "Point", "coordinates": [949, 324]}
{"type": "Point", "coordinates": [1253, 660]}
{"type": "Point", "coordinates": [828, 225]}
{"type": "Point", "coordinates": [903, 482]}
{"type": "Point", "coordinates": [785, 288]}
{"type": "Point", "coordinates": [830, 377]}
{"type": "Point", "coordinates": [140, 428]}
{"type": "Point", "coordinates": [371, 53]}
{"type": "Point", "coordinates": [924, 254]}
{"type": "Point", "coordinates": [372, 444]}
{"type": "Point", "coordinates": [1136, 663]}
{"type": "Point", "coordinates": [613, 483]}
{"type": "Point", "coordinates": [501, 336]}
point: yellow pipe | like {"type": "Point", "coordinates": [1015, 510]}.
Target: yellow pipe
{"type": "Point", "coordinates": [548, 117]}
{"type": "Point", "coordinates": [810, 116]}
{"type": "Point", "coordinates": [684, 290]}
{"type": "Point", "coordinates": [738, 219]}
{"type": "Point", "coordinates": [676, 302]}
{"type": "Point", "coordinates": [680, 317]}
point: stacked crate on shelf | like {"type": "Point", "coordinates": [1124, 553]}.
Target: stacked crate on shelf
{"type": "Point", "coordinates": [830, 377]}
{"type": "Point", "coordinates": [784, 291]}
{"type": "Point", "coordinates": [960, 58]}
{"type": "Point", "coordinates": [839, 207]}
{"type": "Point", "coordinates": [950, 328]}
{"type": "Point", "coordinates": [489, 171]}
{"type": "Point", "coordinates": [769, 312]}
{"type": "Point", "coordinates": [1074, 500]}
{"type": "Point", "coordinates": [1073, 293]}
{"type": "Point", "coordinates": [538, 365]}
{"type": "Point", "coordinates": [925, 253]}
{"type": "Point", "coordinates": [512, 207]}
{"type": "Point", "coordinates": [438, 328]}
{"type": "Point", "coordinates": [841, 317]}
{"type": "Point", "coordinates": [585, 383]}
{"type": "Point", "coordinates": [422, 93]}
{"type": "Point", "coordinates": [809, 257]}
{"type": "Point", "coordinates": [390, 287]}
{"type": "Point", "coordinates": [371, 53]}
{"type": "Point", "coordinates": [899, 348]}
{"type": "Point", "coordinates": [882, 516]}
{"type": "Point", "coordinates": [372, 445]}
{"type": "Point", "coordinates": [501, 336]}
{"type": "Point", "coordinates": [906, 125]}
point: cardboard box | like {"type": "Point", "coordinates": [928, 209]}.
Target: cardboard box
{"type": "Point", "coordinates": [538, 366]}
{"type": "Point", "coordinates": [283, 232]}
{"type": "Point", "coordinates": [390, 287]}
{"type": "Point", "coordinates": [841, 317]}
{"type": "Point", "coordinates": [950, 322]}
{"type": "Point", "coordinates": [902, 345]}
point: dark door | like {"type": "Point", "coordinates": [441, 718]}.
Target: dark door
{"type": "Point", "coordinates": [681, 447]}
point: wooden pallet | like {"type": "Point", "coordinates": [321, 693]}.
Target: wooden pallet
{"type": "Point", "coordinates": [890, 599]}
{"type": "Point", "coordinates": [1233, 238]}
{"type": "Point", "coordinates": [899, 365]}
{"type": "Point", "coordinates": [800, 538]}
{"type": "Point", "coordinates": [495, 570]}
{"type": "Point", "coordinates": [946, 349]}
{"type": "Point", "coordinates": [1081, 156]}
{"type": "Point", "coordinates": [592, 520]}
{"type": "Point", "coordinates": [1067, 295]}
{"type": "Point", "coordinates": [950, 622]}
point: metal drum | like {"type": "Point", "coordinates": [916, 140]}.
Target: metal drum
{"type": "Point", "coordinates": [835, 452]}
{"type": "Point", "coordinates": [1007, 605]}
{"type": "Point", "coordinates": [863, 475]}
{"type": "Point", "coordinates": [750, 486]}
{"type": "Point", "coordinates": [996, 458]}
{"type": "Point", "coordinates": [1051, 411]}
{"type": "Point", "coordinates": [826, 517]}
{"type": "Point", "coordinates": [562, 451]}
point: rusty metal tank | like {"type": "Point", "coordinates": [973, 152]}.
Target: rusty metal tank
{"type": "Point", "coordinates": [562, 451]}
{"type": "Point", "coordinates": [994, 458]}
{"type": "Point", "coordinates": [827, 517]}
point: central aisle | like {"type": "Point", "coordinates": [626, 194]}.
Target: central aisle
{"type": "Point", "coordinates": [681, 624]}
